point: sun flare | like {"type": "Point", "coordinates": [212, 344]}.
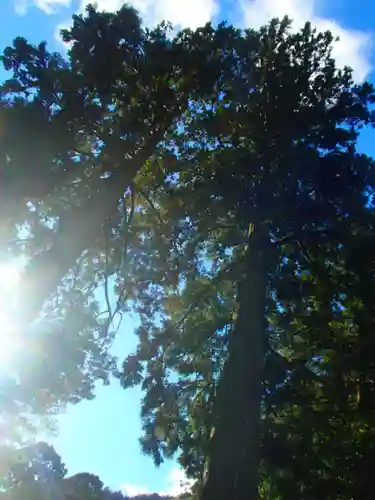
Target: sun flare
{"type": "Point", "coordinates": [10, 274]}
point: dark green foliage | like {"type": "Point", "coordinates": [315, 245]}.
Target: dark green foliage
{"type": "Point", "coordinates": [74, 133]}
{"type": "Point", "coordinates": [37, 462]}
{"type": "Point", "coordinates": [37, 472]}
{"type": "Point", "coordinates": [104, 124]}
{"type": "Point", "coordinates": [215, 179]}
{"type": "Point", "coordinates": [296, 178]}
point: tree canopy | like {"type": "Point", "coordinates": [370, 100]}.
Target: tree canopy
{"type": "Point", "coordinates": [211, 182]}
{"type": "Point", "coordinates": [37, 472]}
{"type": "Point", "coordinates": [75, 132]}
{"type": "Point", "coordinates": [264, 210]}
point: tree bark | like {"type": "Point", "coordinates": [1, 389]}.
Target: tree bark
{"type": "Point", "coordinates": [233, 464]}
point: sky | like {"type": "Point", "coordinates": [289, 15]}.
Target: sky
{"type": "Point", "coordinates": [101, 436]}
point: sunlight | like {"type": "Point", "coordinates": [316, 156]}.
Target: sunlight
{"type": "Point", "coordinates": [7, 341]}
{"type": "Point", "coordinates": [9, 279]}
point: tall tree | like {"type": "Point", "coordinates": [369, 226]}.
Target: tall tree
{"type": "Point", "coordinates": [258, 167]}
{"type": "Point", "coordinates": [104, 111]}
{"type": "Point", "coordinates": [319, 431]}
{"type": "Point", "coordinates": [74, 133]}
{"type": "Point", "coordinates": [276, 172]}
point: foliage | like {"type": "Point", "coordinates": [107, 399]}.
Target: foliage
{"type": "Point", "coordinates": [283, 160]}
{"type": "Point", "coordinates": [214, 177]}
{"type": "Point", "coordinates": [37, 471]}
{"type": "Point", "coordinates": [74, 133]}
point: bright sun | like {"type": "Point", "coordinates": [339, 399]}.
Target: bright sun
{"type": "Point", "coordinates": [10, 274]}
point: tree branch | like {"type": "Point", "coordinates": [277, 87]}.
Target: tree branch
{"type": "Point", "coordinates": [78, 230]}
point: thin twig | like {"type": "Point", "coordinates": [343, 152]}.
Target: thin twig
{"type": "Point", "coordinates": [122, 295]}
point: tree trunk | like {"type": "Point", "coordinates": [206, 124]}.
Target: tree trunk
{"type": "Point", "coordinates": [233, 464]}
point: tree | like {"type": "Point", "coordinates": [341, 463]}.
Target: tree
{"type": "Point", "coordinates": [332, 408]}
{"type": "Point", "coordinates": [257, 169]}
{"type": "Point", "coordinates": [276, 176]}
{"type": "Point", "coordinates": [74, 134]}
{"type": "Point", "coordinates": [106, 110]}
{"type": "Point", "coordinates": [37, 471]}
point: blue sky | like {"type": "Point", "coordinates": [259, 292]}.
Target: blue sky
{"type": "Point", "coordinates": [101, 436]}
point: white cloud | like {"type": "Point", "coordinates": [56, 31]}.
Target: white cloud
{"type": "Point", "coordinates": [130, 490]}
{"type": "Point", "coordinates": [51, 6]}
{"type": "Point", "coordinates": [20, 7]}
{"type": "Point", "coordinates": [180, 13]}
{"type": "Point", "coordinates": [176, 484]}
{"type": "Point", "coordinates": [62, 26]}
{"type": "Point", "coordinates": [48, 6]}
{"type": "Point", "coordinates": [103, 5]}
{"type": "Point", "coordinates": [191, 14]}
{"type": "Point", "coordinates": [353, 49]}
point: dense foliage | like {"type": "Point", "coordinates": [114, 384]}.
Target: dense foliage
{"type": "Point", "coordinates": [37, 472]}
{"type": "Point", "coordinates": [266, 213]}
{"type": "Point", "coordinates": [74, 133]}
{"type": "Point", "coordinates": [211, 182]}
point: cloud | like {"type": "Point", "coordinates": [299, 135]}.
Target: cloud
{"type": "Point", "coordinates": [191, 14]}
{"type": "Point", "coordinates": [57, 33]}
{"type": "Point", "coordinates": [20, 7]}
{"type": "Point", "coordinates": [353, 49]}
{"type": "Point", "coordinates": [176, 484]}
{"type": "Point", "coordinates": [103, 5]}
{"type": "Point", "coordinates": [130, 490]}
{"type": "Point", "coordinates": [181, 13]}
{"type": "Point", "coordinates": [51, 6]}
{"type": "Point", "coordinates": [48, 6]}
